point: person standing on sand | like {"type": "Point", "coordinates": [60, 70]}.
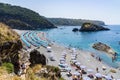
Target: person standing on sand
{"type": "Point", "coordinates": [97, 70]}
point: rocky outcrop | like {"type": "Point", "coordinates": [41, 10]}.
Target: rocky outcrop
{"type": "Point", "coordinates": [105, 48]}
{"type": "Point", "coordinates": [75, 29]}
{"type": "Point", "coordinates": [37, 58]}
{"type": "Point", "coordinates": [10, 45]}
{"type": "Point", "coordinates": [92, 27]}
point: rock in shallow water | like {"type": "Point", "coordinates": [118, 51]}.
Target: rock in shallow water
{"type": "Point", "coordinates": [105, 48]}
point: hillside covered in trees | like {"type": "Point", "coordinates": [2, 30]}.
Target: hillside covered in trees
{"type": "Point", "coordinates": [22, 18]}
{"type": "Point", "coordinates": [73, 22]}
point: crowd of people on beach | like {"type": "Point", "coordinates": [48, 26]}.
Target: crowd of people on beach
{"type": "Point", "coordinates": [77, 71]}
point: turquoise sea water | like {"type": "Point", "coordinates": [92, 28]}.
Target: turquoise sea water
{"type": "Point", "coordinates": [84, 40]}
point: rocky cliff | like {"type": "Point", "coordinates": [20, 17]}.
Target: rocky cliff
{"type": "Point", "coordinates": [10, 45]}
{"type": "Point", "coordinates": [92, 27]}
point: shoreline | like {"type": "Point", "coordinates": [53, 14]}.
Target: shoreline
{"type": "Point", "coordinates": [95, 52]}
{"type": "Point", "coordinates": [84, 57]}
{"type": "Point", "coordinates": [86, 61]}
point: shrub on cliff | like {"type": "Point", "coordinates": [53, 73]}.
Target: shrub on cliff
{"type": "Point", "coordinates": [9, 67]}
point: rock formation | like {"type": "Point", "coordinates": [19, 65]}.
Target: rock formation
{"type": "Point", "coordinates": [105, 48]}
{"type": "Point", "coordinates": [37, 58]}
{"type": "Point", "coordinates": [92, 27]}
{"type": "Point", "coordinates": [75, 29]}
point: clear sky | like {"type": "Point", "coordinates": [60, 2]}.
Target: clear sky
{"type": "Point", "coordinates": [105, 10]}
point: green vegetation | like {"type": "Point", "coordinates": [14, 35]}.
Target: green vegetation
{"type": "Point", "coordinates": [73, 22]}
{"type": "Point", "coordinates": [22, 18]}
{"type": "Point", "coordinates": [9, 67]}
{"type": "Point", "coordinates": [39, 72]}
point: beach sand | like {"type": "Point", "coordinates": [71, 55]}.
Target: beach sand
{"type": "Point", "coordinates": [84, 57]}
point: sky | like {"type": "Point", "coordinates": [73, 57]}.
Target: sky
{"type": "Point", "coordinates": [105, 10]}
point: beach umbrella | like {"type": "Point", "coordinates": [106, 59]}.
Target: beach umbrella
{"type": "Point", "coordinates": [62, 62]}
{"type": "Point", "coordinates": [98, 75]}
{"type": "Point", "coordinates": [108, 78]}
{"type": "Point", "coordinates": [68, 69]}
{"type": "Point", "coordinates": [73, 55]}
{"type": "Point", "coordinates": [65, 65]}
{"type": "Point", "coordinates": [77, 63]}
{"type": "Point", "coordinates": [86, 78]}
{"type": "Point", "coordinates": [89, 70]}
{"type": "Point", "coordinates": [64, 52]}
{"type": "Point", "coordinates": [82, 66]}
{"type": "Point", "coordinates": [49, 48]}
{"type": "Point", "coordinates": [76, 73]}
{"type": "Point", "coordinates": [74, 61]}
{"type": "Point", "coordinates": [62, 59]}
{"type": "Point", "coordinates": [103, 67]}
{"type": "Point", "coordinates": [73, 49]}
{"type": "Point", "coordinates": [73, 58]}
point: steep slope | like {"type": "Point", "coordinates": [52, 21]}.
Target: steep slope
{"type": "Point", "coordinates": [22, 18]}
{"type": "Point", "coordinates": [10, 45]}
{"type": "Point", "coordinates": [73, 22]}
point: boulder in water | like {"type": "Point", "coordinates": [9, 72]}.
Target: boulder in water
{"type": "Point", "coordinates": [75, 29]}
{"type": "Point", "coordinates": [105, 48]}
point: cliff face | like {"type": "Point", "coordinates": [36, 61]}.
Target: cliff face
{"type": "Point", "coordinates": [10, 45]}
{"type": "Point", "coordinates": [22, 18]}
{"type": "Point", "coordinates": [92, 27]}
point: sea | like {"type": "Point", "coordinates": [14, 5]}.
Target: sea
{"type": "Point", "coordinates": [64, 36]}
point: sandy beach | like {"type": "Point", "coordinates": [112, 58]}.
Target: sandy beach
{"type": "Point", "coordinates": [83, 57]}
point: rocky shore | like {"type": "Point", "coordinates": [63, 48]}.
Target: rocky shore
{"type": "Point", "coordinates": [105, 48]}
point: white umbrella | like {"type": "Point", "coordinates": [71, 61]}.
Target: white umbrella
{"type": "Point", "coordinates": [73, 49]}
{"type": "Point", "coordinates": [62, 59]}
{"type": "Point", "coordinates": [73, 58]}
{"type": "Point", "coordinates": [98, 75]}
{"type": "Point", "coordinates": [64, 52]}
{"type": "Point", "coordinates": [63, 56]}
{"type": "Point", "coordinates": [86, 78]}
{"type": "Point", "coordinates": [76, 73]}
{"type": "Point", "coordinates": [73, 55]}
{"type": "Point", "coordinates": [62, 62]}
{"type": "Point", "coordinates": [77, 63]}
{"type": "Point", "coordinates": [68, 69]}
{"type": "Point", "coordinates": [82, 66]}
{"type": "Point", "coordinates": [49, 48]}
{"type": "Point", "coordinates": [65, 65]}
{"type": "Point", "coordinates": [74, 61]}
{"type": "Point", "coordinates": [108, 78]}
{"type": "Point", "coordinates": [89, 70]}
